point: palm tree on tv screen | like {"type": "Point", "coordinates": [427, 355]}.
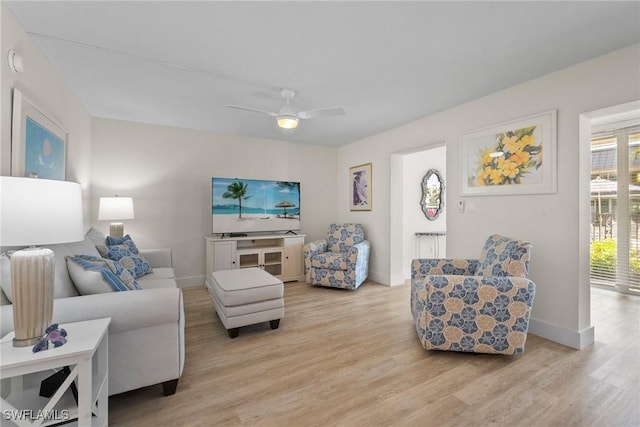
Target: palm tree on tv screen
{"type": "Point", "coordinates": [289, 186]}
{"type": "Point", "coordinates": [237, 190]}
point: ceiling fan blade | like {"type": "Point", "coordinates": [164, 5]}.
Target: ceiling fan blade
{"type": "Point", "coordinates": [255, 110]}
{"type": "Point", "coordinates": [322, 112]}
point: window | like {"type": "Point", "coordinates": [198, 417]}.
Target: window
{"type": "Point", "coordinates": [615, 206]}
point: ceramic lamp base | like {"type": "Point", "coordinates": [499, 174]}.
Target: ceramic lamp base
{"type": "Point", "coordinates": [32, 276]}
{"type": "Point", "coordinates": [116, 229]}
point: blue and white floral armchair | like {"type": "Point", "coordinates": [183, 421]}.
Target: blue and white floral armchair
{"type": "Point", "coordinates": [339, 261]}
{"type": "Point", "coordinates": [474, 305]}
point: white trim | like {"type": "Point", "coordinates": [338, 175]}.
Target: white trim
{"type": "Point", "coordinates": [378, 278]}
{"type": "Point", "coordinates": [190, 281]}
{"type": "Point", "coordinates": [397, 280]}
{"type": "Point", "coordinates": [568, 337]}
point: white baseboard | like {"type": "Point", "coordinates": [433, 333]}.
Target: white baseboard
{"type": "Point", "coordinates": [379, 278]}
{"type": "Point", "coordinates": [564, 336]}
{"type": "Point", "coordinates": [385, 279]}
{"type": "Point", "coordinates": [398, 279]}
{"type": "Point", "coordinates": [190, 281]}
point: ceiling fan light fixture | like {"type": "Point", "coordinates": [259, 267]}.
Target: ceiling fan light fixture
{"type": "Point", "coordinates": [287, 122]}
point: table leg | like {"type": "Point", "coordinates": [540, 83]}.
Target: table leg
{"type": "Point", "coordinates": [84, 392]}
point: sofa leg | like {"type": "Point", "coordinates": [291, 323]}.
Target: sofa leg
{"type": "Point", "coordinates": [274, 323]}
{"type": "Point", "coordinates": [233, 332]}
{"type": "Point", "coordinates": [169, 387]}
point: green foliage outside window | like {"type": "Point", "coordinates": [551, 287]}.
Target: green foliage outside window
{"type": "Point", "coordinates": [603, 260]}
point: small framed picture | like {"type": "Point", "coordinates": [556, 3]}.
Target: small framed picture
{"type": "Point", "coordinates": [360, 183]}
{"type": "Point", "coordinates": [38, 143]}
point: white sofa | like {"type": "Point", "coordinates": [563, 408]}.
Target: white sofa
{"type": "Point", "coordinates": [146, 334]}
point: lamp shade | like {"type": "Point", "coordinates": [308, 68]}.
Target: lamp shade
{"type": "Point", "coordinates": [39, 211]}
{"type": "Point", "coordinates": [115, 208]}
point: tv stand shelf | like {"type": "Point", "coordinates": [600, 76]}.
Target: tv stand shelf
{"type": "Point", "coordinates": [278, 254]}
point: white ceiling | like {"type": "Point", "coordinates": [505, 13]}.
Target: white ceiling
{"type": "Point", "coordinates": [387, 63]}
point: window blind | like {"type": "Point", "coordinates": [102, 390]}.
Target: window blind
{"type": "Point", "coordinates": [615, 208]}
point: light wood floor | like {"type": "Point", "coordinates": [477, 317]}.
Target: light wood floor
{"type": "Point", "coordinates": [343, 358]}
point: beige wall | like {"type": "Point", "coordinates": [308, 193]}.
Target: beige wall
{"type": "Point", "coordinates": [168, 173]}
{"type": "Point", "coordinates": [550, 222]}
{"type": "Point", "coordinates": [41, 83]}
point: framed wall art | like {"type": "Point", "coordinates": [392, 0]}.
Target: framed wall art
{"type": "Point", "coordinates": [360, 181]}
{"type": "Point", "coordinates": [38, 143]}
{"type": "Point", "coordinates": [514, 157]}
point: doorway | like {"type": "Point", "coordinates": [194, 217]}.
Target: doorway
{"type": "Point", "coordinates": [408, 168]}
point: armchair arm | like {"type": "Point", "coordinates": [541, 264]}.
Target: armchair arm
{"type": "Point", "coordinates": [361, 250]}
{"type": "Point", "coordinates": [309, 250]}
{"type": "Point", "coordinates": [158, 258]}
{"type": "Point", "coordinates": [313, 248]}
{"type": "Point", "coordinates": [359, 257]}
{"type": "Point", "coordinates": [430, 266]}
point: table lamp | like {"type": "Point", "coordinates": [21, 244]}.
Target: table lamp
{"type": "Point", "coordinates": [115, 209]}
{"type": "Point", "coordinates": [36, 212]}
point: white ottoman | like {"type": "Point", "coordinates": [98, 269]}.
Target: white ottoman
{"type": "Point", "coordinates": [246, 296]}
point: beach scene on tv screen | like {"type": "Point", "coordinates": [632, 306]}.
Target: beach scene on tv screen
{"type": "Point", "coordinates": [254, 205]}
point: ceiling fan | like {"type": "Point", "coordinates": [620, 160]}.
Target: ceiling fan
{"type": "Point", "coordinates": [288, 116]}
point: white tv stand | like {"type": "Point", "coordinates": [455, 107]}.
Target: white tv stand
{"type": "Point", "coordinates": [278, 254]}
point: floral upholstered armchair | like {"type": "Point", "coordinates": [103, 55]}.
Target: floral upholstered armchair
{"type": "Point", "coordinates": [474, 305]}
{"type": "Point", "coordinates": [339, 261]}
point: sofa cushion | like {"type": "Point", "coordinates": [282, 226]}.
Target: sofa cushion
{"type": "Point", "coordinates": [162, 277]}
{"type": "Point", "coordinates": [161, 273]}
{"type": "Point", "coordinates": [98, 239]}
{"type": "Point", "coordinates": [158, 258]}
{"type": "Point", "coordinates": [151, 282]}
{"type": "Point", "coordinates": [63, 285]}
{"type": "Point", "coordinates": [93, 276]}
{"type": "Point", "coordinates": [331, 260]}
{"type": "Point", "coordinates": [137, 265]}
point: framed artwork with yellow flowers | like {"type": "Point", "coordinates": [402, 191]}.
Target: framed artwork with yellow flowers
{"type": "Point", "coordinates": [514, 157]}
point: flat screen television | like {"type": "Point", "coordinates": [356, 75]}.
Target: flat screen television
{"type": "Point", "coordinates": [253, 205]}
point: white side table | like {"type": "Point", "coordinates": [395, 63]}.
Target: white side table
{"type": "Point", "coordinates": [86, 353]}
